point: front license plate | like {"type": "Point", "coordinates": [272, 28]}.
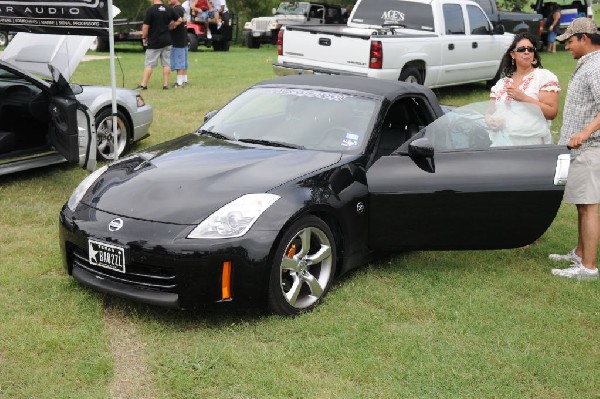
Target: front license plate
{"type": "Point", "coordinates": [106, 255]}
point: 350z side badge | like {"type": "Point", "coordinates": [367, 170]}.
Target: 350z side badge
{"type": "Point", "coordinates": [115, 224]}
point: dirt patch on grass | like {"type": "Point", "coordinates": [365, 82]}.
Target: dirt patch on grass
{"type": "Point", "coordinates": [131, 376]}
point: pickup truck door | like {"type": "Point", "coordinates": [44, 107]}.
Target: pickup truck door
{"type": "Point", "coordinates": [467, 51]}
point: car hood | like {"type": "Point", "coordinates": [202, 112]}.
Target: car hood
{"type": "Point", "coordinates": [185, 180]}
{"type": "Point", "coordinates": [33, 53]}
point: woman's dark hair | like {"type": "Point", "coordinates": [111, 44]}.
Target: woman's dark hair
{"type": "Point", "coordinates": [507, 66]}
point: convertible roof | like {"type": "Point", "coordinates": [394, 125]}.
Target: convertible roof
{"type": "Point", "coordinates": [389, 89]}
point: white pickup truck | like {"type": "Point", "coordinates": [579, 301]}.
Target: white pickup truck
{"type": "Point", "coordinates": [431, 42]}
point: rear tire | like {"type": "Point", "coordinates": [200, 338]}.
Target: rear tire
{"type": "Point", "coordinates": [411, 75]}
{"type": "Point", "coordinates": [303, 267]}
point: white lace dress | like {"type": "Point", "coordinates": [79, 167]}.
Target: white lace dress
{"type": "Point", "coordinates": [523, 123]}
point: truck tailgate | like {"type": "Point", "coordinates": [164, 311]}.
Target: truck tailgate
{"type": "Point", "coordinates": [327, 46]}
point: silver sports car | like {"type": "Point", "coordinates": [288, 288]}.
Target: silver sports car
{"type": "Point", "coordinates": [31, 68]}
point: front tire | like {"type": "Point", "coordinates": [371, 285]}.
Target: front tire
{"type": "Point", "coordinates": [104, 131]}
{"type": "Point", "coordinates": [303, 267]}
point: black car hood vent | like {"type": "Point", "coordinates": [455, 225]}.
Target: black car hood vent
{"type": "Point", "coordinates": [185, 180]}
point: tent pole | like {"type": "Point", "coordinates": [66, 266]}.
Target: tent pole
{"type": "Point", "coordinates": [113, 79]}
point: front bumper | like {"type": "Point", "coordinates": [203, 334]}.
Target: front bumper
{"type": "Point", "coordinates": [142, 119]}
{"type": "Point", "coordinates": [164, 268]}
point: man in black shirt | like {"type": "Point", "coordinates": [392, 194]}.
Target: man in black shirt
{"type": "Point", "coordinates": [179, 56]}
{"type": "Point", "coordinates": [158, 21]}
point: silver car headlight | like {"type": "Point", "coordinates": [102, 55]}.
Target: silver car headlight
{"type": "Point", "coordinates": [235, 218]}
{"type": "Point", "coordinates": [83, 187]}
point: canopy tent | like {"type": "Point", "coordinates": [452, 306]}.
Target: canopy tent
{"type": "Point", "coordinates": [70, 17]}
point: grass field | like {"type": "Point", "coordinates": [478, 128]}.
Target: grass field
{"type": "Point", "coordinates": [469, 324]}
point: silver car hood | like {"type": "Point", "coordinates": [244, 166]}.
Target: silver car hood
{"type": "Point", "coordinates": [33, 53]}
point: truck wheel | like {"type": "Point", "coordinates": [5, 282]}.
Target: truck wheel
{"type": "Point", "coordinates": [3, 38]}
{"type": "Point", "coordinates": [192, 41]}
{"type": "Point", "coordinates": [252, 42]}
{"type": "Point", "coordinates": [411, 75]}
{"type": "Point", "coordinates": [100, 44]}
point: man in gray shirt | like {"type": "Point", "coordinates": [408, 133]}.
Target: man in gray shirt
{"type": "Point", "coordinates": [581, 133]}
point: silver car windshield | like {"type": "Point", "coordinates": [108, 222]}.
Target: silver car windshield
{"type": "Point", "coordinates": [301, 118]}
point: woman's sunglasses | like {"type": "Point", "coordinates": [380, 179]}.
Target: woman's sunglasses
{"type": "Point", "coordinates": [523, 49]}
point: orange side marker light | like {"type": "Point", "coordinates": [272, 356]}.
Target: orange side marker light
{"type": "Point", "coordinates": [226, 281]}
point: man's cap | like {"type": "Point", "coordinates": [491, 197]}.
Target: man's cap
{"type": "Point", "coordinates": [578, 25]}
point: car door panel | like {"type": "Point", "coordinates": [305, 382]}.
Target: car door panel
{"type": "Point", "coordinates": [474, 199]}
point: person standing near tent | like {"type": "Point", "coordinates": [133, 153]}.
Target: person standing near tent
{"type": "Point", "coordinates": [179, 52]}
{"type": "Point", "coordinates": [158, 21]}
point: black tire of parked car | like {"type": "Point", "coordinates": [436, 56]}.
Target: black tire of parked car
{"type": "Point", "coordinates": [411, 75]}
{"type": "Point", "coordinates": [100, 44]}
{"type": "Point", "coordinates": [314, 233]}
{"type": "Point", "coordinates": [252, 42]}
{"type": "Point", "coordinates": [3, 38]}
{"type": "Point", "coordinates": [104, 133]}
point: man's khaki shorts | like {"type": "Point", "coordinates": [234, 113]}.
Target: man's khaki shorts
{"type": "Point", "coordinates": [153, 54]}
{"type": "Point", "coordinates": [583, 182]}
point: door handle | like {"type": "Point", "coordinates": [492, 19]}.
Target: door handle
{"type": "Point", "coordinates": [451, 46]}
{"type": "Point", "coordinates": [474, 44]}
{"type": "Point", "coordinates": [324, 41]}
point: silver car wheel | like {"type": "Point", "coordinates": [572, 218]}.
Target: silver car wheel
{"type": "Point", "coordinates": [105, 137]}
{"type": "Point", "coordinates": [306, 268]}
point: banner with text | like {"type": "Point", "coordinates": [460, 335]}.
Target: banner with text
{"type": "Point", "coordinates": [73, 17]}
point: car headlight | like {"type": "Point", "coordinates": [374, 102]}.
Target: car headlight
{"type": "Point", "coordinates": [83, 187]}
{"type": "Point", "coordinates": [235, 218]}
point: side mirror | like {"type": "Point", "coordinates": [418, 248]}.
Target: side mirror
{"type": "Point", "coordinates": [274, 11]}
{"type": "Point", "coordinates": [498, 30]}
{"type": "Point", "coordinates": [209, 115]}
{"type": "Point", "coordinates": [421, 148]}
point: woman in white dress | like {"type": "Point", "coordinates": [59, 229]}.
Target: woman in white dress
{"type": "Point", "coordinates": [525, 99]}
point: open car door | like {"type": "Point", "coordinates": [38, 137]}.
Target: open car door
{"type": "Point", "coordinates": [73, 134]}
{"type": "Point", "coordinates": [451, 188]}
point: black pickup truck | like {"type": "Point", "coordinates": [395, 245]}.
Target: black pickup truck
{"type": "Point", "coordinates": [514, 21]}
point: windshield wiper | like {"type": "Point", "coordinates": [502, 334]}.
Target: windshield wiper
{"type": "Point", "coordinates": [214, 134]}
{"type": "Point", "coordinates": [272, 143]}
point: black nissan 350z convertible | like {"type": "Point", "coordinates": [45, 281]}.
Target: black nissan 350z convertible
{"type": "Point", "coordinates": [298, 180]}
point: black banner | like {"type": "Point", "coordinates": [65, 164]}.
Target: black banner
{"type": "Point", "coordinates": [73, 17]}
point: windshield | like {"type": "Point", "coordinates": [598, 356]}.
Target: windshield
{"type": "Point", "coordinates": [489, 124]}
{"type": "Point", "coordinates": [287, 8]}
{"type": "Point", "coordinates": [298, 118]}
{"type": "Point", "coordinates": [407, 14]}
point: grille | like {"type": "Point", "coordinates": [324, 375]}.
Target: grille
{"type": "Point", "coordinates": [262, 26]}
{"type": "Point", "coordinates": [142, 276]}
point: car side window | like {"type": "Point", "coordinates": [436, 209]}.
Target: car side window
{"type": "Point", "coordinates": [480, 126]}
{"type": "Point", "coordinates": [453, 19]}
{"type": "Point", "coordinates": [404, 119]}
{"type": "Point", "coordinates": [478, 21]}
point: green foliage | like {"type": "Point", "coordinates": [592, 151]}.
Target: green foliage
{"type": "Point", "coordinates": [132, 9]}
